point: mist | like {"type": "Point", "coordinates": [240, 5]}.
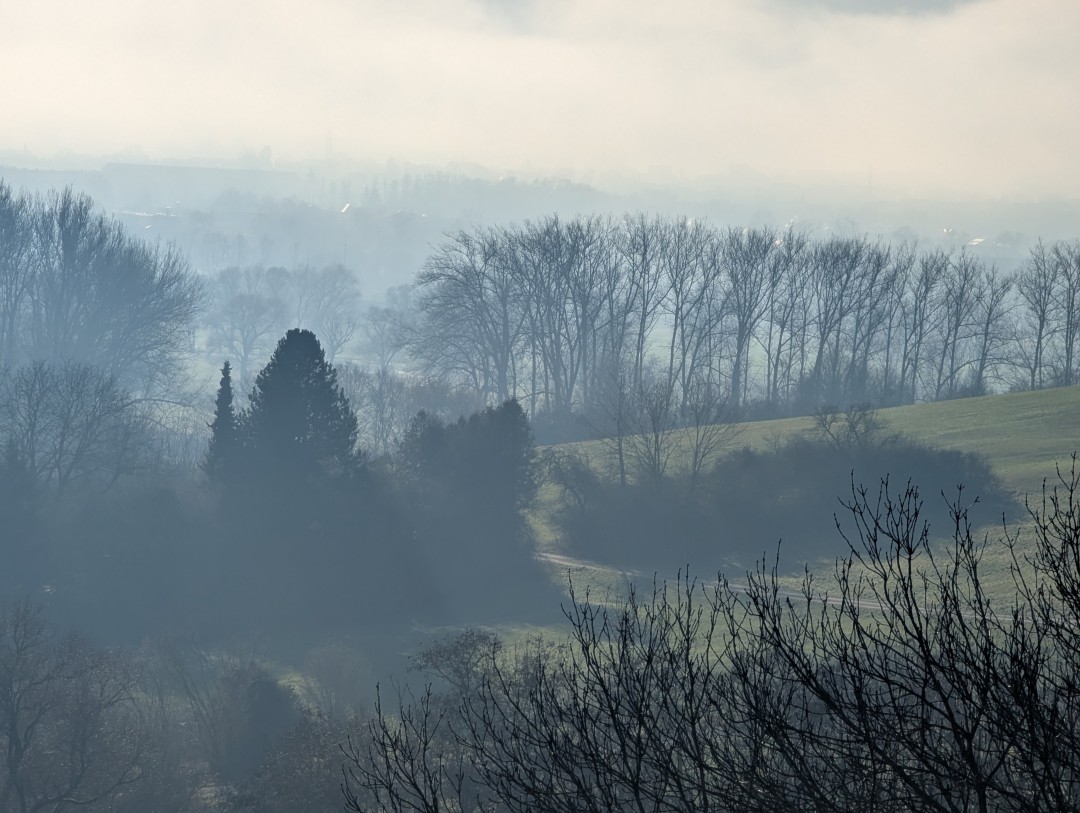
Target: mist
{"type": "Point", "coordinates": [539, 405]}
{"type": "Point", "coordinates": [958, 99]}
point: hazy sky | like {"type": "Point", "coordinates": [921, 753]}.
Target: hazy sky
{"type": "Point", "coordinates": [965, 99]}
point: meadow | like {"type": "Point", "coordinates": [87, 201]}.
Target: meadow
{"type": "Point", "coordinates": [1024, 436]}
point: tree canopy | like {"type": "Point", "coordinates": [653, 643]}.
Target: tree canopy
{"type": "Point", "coordinates": [299, 420]}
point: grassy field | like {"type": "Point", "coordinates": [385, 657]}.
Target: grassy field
{"type": "Point", "coordinates": [1024, 435]}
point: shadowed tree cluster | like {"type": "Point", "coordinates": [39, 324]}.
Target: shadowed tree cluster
{"type": "Point", "coordinates": [439, 528]}
{"type": "Point", "coordinates": [467, 485]}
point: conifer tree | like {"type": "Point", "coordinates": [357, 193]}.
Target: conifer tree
{"type": "Point", "coordinates": [221, 456]}
{"type": "Point", "coordinates": [300, 424]}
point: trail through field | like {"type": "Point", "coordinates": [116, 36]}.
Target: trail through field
{"type": "Point", "coordinates": [561, 560]}
{"type": "Point", "coordinates": [796, 596]}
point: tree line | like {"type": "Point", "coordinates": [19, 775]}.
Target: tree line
{"type": "Point", "coordinates": [599, 327]}
{"type": "Point", "coordinates": [582, 314]}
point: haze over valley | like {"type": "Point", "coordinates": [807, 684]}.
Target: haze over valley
{"type": "Point", "coordinates": [539, 405]}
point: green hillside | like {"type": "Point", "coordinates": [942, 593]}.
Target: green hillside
{"type": "Point", "coordinates": [1022, 434]}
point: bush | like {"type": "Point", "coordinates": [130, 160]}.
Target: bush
{"type": "Point", "coordinates": [753, 498]}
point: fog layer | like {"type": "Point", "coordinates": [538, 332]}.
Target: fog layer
{"type": "Point", "coordinates": [972, 99]}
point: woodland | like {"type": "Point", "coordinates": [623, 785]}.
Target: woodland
{"type": "Point", "coordinates": [269, 546]}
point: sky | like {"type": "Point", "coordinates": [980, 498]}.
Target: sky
{"type": "Point", "coordinates": [940, 98]}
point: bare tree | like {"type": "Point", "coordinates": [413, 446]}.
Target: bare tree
{"type": "Point", "coordinates": [651, 443]}
{"type": "Point", "coordinates": [750, 278]}
{"type": "Point", "coordinates": [471, 312]}
{"type": "Point", "coordinates": [68, 721]}
{"type": "Point", "coordinates": [328, 303]}
{"type": "Point", "coordinates": [708, 429]}
{"type": "Point", "coordinates": [100, 297]}
{"type": "Point", "coordinates": [407, 762]}
{"type": "Point", "coordinates": [787, 320]}
{"type": "Point", "coordinates": [1036, 288]}
{"type": "Point", "coordinates": [641, 245]}
{"type": "Point", "coordinates": [16, 271]}
{"type": "Point", "coordinates": [246, 319]}
{"type": "Point", "coordinates": [384, 405]}
{"type": "Point", "coordinates": [918, 309]}
{"type": "Point", "coordinates": [70, 422]}
{"type": "Point", "coordinates": [694, 303]}
{"type": "Point", "coordinates": [561, 267]}
{"type": "Point", "coordinates": [956, 323]}
{"type": "Point", "coordinates": [387, 332]}
{"type": "Point", "coordinates": [1066, 261]}
{"type": "Point", "coordinates": [836, 267]}
{"type": "Point", "coordinates": [993, 327]}
{"type": "Point", "coordinates": [857, 427]}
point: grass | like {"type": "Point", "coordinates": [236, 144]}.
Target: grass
{"type": "Point", "coordinates": [1023, 435]}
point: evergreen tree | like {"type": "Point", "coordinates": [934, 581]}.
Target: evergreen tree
{"type": "Point", "coordinates": [499, 457]}
{"type": "Point", "coordinates": [224, 432]}
{"type": "Point", "coordinates": [490, 455]}
{"type": "Point", "coordinates": [468, 484]}
{"type": "Point", "coordinates": [299, 424]}
{"type": "Point", "coordinates": [290, 499]}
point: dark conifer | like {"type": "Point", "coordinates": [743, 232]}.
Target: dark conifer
{"type": "Point", "coordinates": [221, 456]}
{"type": "Point", "coordinates": [299, 423]}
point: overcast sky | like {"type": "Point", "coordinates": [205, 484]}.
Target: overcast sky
{"type": "Point", "coordinates": [927, 97]}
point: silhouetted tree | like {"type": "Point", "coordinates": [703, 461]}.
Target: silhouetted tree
{"type": "Point", "coordinates": [299, 422]}
{"type": "Point", "coordinates": [224, 431]}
